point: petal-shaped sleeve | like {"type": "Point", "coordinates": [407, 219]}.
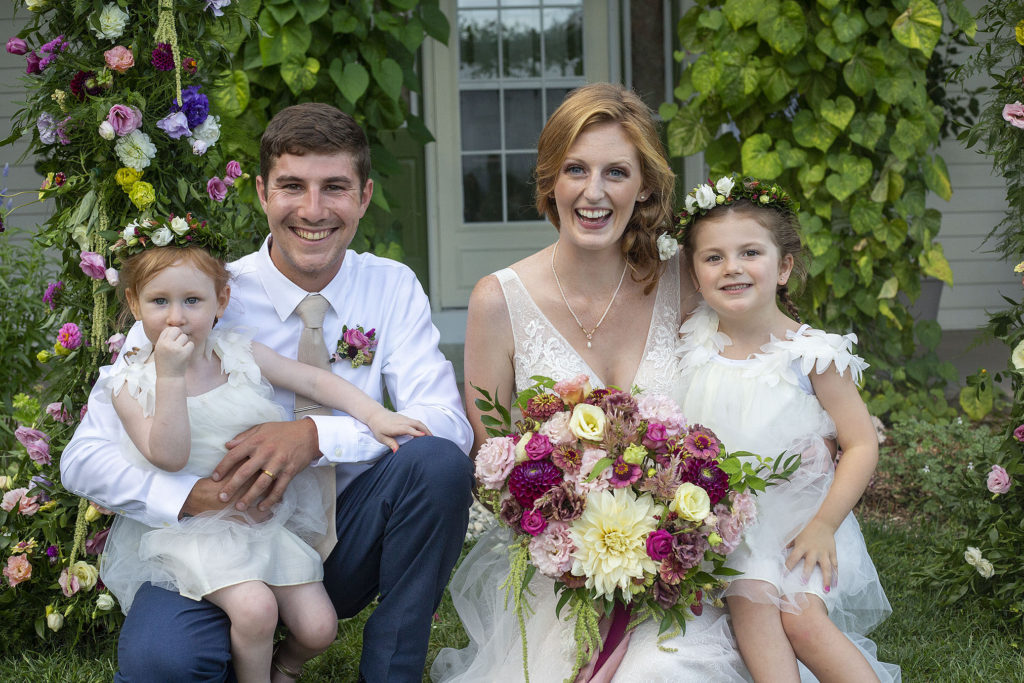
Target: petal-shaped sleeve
{"type": "Point", "coordinates": [135, 376]}
{"type": "Point", "coordinates": [700, 339]}
{"type": "Point", "coordinates": [234, 347]}
{"type": "Point", "coordinates": [817, 350]}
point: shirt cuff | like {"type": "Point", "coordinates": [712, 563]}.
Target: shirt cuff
{"type": "Point", "coordinates": [167, 495]}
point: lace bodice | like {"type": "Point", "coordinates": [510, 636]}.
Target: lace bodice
{"type": "Point", "coordinates": [540, 349]}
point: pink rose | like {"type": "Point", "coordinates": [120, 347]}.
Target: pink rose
{"type": "Point", "coordinates": [998, 480]}
{"type": "Point", "coordinates": [1014, 114]}
{"type": "Point", "coordinates": [655, 437]}
{"type": "Point", "coordinates": [233, 170]}
{"type": "Point", "coordinates": [36, 443]}
{"type": "Point", "coordinates": [92, 264]}
{"type": "Point", "coordinates": [659, 544]}
{"type": "Point", "coordinates": [532, 522]}
{"type": "Point", "coordinates": [58, 412]}
{"type": "Point", "coordinates": [573, 390]}
{"type": "Point", "coordinates": [18, 569]}
{"type": "Point", "coordinates": [16, 46]}
{"type": "Point", "coordinates": [494, 462]}
{"type": "Point", "coordinates": [216, 188]}
{"type": "Point", "coordinates": [744, 507]}
{"type": "Point", "coordinates": [538, 447]}
{"type": "Point", "coordinates": [551, 550]}
{"type": "Point", "coordinates": [1018, 433]}
{"type": "Point", "coordinates": [119, 58]}
{"type": "Point", "coordinates": [68, 583]}
{"type": "Point", "coordinates": [124, 119]}
{"type": "Point", "coordinates": [356, 339]}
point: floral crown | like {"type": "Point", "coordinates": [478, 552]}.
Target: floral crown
{"type": "Point", "coordinates": [170, 231]}
{"type": "Point", "coordinates": [706, 197]}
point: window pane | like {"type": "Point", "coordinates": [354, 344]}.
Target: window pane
{"type": "Point", "coordinates": [477, 3]}
{"type": "Point", "coordinates": [563, 42]}
{"type": "Point", "coordinates": [480, 120]}
{"type": "Point", "coordinates": [520, 34]}
{"type": "Point", "coordinates": [523, 119]}
{"type": "Point", "coordinates": [478, 44]}
{"type": "Point", "coordinates": [481, 188]}
{"type": "Point", "coordinates": [555, 97]}
{"type": "Point", "coordinates": [519, 169]}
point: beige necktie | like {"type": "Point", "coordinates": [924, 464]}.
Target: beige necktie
{"type": "Point", "coordinates": [313, 351]}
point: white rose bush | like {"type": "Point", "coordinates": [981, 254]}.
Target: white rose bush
{"type": "Point", "coordinates": [618, 500]}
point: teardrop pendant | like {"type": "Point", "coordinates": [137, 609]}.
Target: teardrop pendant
{"type": "Point", "coordinates": [589, 345]}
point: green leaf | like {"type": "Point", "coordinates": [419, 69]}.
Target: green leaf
{"type": "Point", "coordinates": [776, 82]}
{"type": "Point", "coordinates": [299, 73]}
{"type": "Point", "coordinates": [343, 21]}
{"type": "Point", "coordinates": [864, 216]}
{"type": "Point", "coordinates": [962, 17]}
{"type": "Point", "coordinates": [292, 38]}
{"type": "Point", "coordinates": [710, 19]}
{"type": "Point", "coordinates": [838, 112]}
{"type": "Point", "coordinates": [819, 242]}
{"type": "Point", "coordinates": [867, 129]}
{"type": "Point", "coordinates": [311, 10]}
{"type": "Point", "coordinates": [389, 77]}
{"type": "Point", "coordinates": [919, 27]}
{"type": "Point", "coordinates": [791, 157]}
{"type": "Point", "coordinates": [894, 85]}
{"type": "Point", "coordinates": [905, 138]}
{"type": "Point", "coordinates": [352, 80]}
{"type": "Point", "coordinates": [282, 12]}
{"type": "Point", "coordinates": [435, 22]}
{"type": "Point", "coordinates": [889, 288]}
{"type": "Point", "coordinates": [826, 41]}
{"type": "Point", "coordinates": [230, 93]}
{"type": "Point", "coordinates": [849, 27]}
{"type": "Point", "coordinates": [936, 176]}
{"type": "Point", "coordinates": [810, 177]}
{"type": "Point", "coordinates": [741, 12]}
{"type": "Point", "coordinates": [858, 76]}
{"type": "Point", "coordinates": [758, 158]}
{"type": "Point", "coordinates": [933, 262]}
{"type": "Point", "coordinates": [853, 172]}
{"type": "Point", "coordinates": [704, 74]}
{"type": "Point", "coordinates": [929, 333]}
{"type": "Point", "coordinates": [687, 133]}
{"type": "Point", "coordinates": [876, 16]}
{"type": "Point", "coordinates": [808, 131]}
{"type": "Point", "coordinates": [722, 153]}
{"type": "Point", "coordinates": [828, 4]}
{"type": "Point", "coordinates": [843, 281]}
{"type": "Point", "coordinates": [977, 402]}
{"type": "Point", "coordinates": [786, 30]}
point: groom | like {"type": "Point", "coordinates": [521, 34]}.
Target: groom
{"type": "Point", "coordinates": [401, 517]}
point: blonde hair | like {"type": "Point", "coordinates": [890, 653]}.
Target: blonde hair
{"type": "Point", "coordinates": [610, 103]}
{"type": "Point", "coordinates": [136, 271]}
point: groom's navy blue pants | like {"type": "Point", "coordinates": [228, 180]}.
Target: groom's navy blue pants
{"type": "Point", "coordinates": [401, 525]}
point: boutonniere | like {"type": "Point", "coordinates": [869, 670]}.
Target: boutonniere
{"type": "Point", "coordinates": [356, 346]}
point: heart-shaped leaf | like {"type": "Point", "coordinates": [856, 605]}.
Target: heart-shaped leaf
{"type": "Point", "coordinates": [741, 12]}
{"type": "Point", "coordinates": [759, 160]}
{"type": "Point", "coordinates": [784, 30]}
{"type": "Point", "coordinates": [389, 77]}
{"type": "Point", "coordinates": [933, 262]}
{"type": "Point", "coordinates": [936, 176]}
{"type": "Point", "coordinates": [352, 79]}
{"type": "Point", "coordinates": [838, 112]}
{"type": "Point", "coordinates": [919, 27]}
{"type": "Point", "coordinates": [866, 130]}
{"type": "Point", "coordinates": [230, 93]}
{"type": "Point", "coordinates": [849, 27]}
{"type": "Point", "coordinates": [687, 133]}
{"type": "Point", "coordinates": [865, 215]}
{"type": "Point", "coordinates": [808, 131]}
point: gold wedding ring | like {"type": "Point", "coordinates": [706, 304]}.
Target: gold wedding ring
{"type": "Point", "coordinates": [268, 473]}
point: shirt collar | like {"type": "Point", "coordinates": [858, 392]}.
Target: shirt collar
{"type": "Point", "coordinates": [285, 295]}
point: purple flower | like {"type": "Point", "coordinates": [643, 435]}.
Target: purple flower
{"type": "Point", "coordinates": [216, 5]}
{"type": "Point", "coordinates": [124, 119]}
{"type": "Point", "coordinates": [1018, 433]}
{"type": "Point", "coordinates": [688, 549]}
{"type": "Point", "coordinates": [195, 105]}
{"type": "Point", "coordinates": [217, 190]}
{"type": "Point", "coordinates": [659, 544]}
{"type": "Point", "coordinates": [998, 480]}
{"type": "Point", "coordinates": [51, 552]}
{"type": "Point", "coordinates": [707, 475]}
{"type": "Point", "coordinates": [355, 338]}
{"type": "Point", "coordinates": [92, 265]}
{"type": "Point", "coordinates": [94, 544]}
{"type": "Point", "coordinates": [32, 63]}
{"type": "Point", "coordinates": [701, 442]}
{"type": "Point", "coordinates": [42, 486]}
{"type": "Point", "coordinates": [16, 46]}
{"type": "Point", "coordinates": [47, 127]}
{"type": "Point", "coordinates": [58, 412]}
{"type": "Point", "coordinates": [655, 437]}
{"type": "Point", "coordinates": [532, 479]}
{"type": "Point", "coordinates": [511, 511]}
{"type": "Point", "coordinates": [175, 125]}
{"type": "Point", "coordinates": [69, 336]}
{"type": "Point", "coordinates": [538, 447]}
{"type": "Point", "coordinates": [532, 522]}
{"type": "Point", "coordinates": [36, 443]}
{"type": "Point", "coordinates": [162, 58]}
{"type": "Point", "coordinates": [665, 594]}
{"type": "Point", "coordinates": [56, 45]}
{"type": "Point", "coordinates": [624, 473]}
{"type": "Point", "coordinates": [233, 170]}
{"type": "Point", "coordinates": [52, 289]}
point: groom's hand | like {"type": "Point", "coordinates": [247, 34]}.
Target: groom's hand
{"type": "Point", "coordinates": [266, 456]}
{"type": "Point", "coordinates": [205, 497]}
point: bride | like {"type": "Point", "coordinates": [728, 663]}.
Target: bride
{"type": "Point", "coordinates": [598, 302]}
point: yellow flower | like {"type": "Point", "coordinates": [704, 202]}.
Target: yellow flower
{"type": "Point", "coordinates": [127, 177]}
{"type": "Point", "coordinates": [587, 422]}
{"type": "Point", "coordinates": [43, 356]}
{"type": "Point", "coordinates": [691, 502]}
{"type": "Point", "coordinates": [611, 540]}
{"type": "Point", "coordinates": [1019, 268]}
{"type": "Point", "coordinates": [1019, 31]}
{"type": "Point", "coordinates": [48, 505]}
{"type": "Point", "coordinates": [86, 574]}
{"type": "Point", "coordinates": [1017, 357]}
{"type": "Point", "coordinates": [92, 514]}
{"type": "Point", "coordinates": [142, 195]}
{"type": "Point", "coordinates": [634, 454]}
{"type": "Point", "coordinates": [60, 350]}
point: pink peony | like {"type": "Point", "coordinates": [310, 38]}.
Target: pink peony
{"type": "Point", "coordinates": [216, 188]}
{"type": "Point", "coordinates": [557, 429]}
{"type": "Point", "coordinates": [551, 550]}
{"type": "Point", "coordinates": [92, 264]}
{"type": "Point", "coordinates": [124, 119]}
{"type": "Point", "coordinates": [69, 336]}
{"type": "Point", "coordinates": [659, 544]}
{"type": "Point", "coordinates": [998, 480]}
{"type": "Point", "coordinates": [494, 462]}
{"type": "Point", "coordinates": [573, 390]}
{"type": "Point", "coordinates": [36, 443]}
{"type": "Point", "coordinates": [16, 46]}
{"type": "Point", "coordinates": [538, 447]}
{"type": "Point", "coordinates": [119, 59]}
{"type": "Point", "coordinates": [532, 522]}
{"type": "Point", "coordinates": [68, 583]}
{"type": "Point", "coordinates": [18, 569]}
{"type": "Point", "coordinates": [1014, 114]}
{"type": "Point", "coordinates": [662, 409]}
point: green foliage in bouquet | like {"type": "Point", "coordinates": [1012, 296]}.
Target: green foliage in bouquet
{"type": "Point", "coordinates": [117, 114]}
{"type": "Point", "coordinates": [616, 499]}
{"type": "Point", "coordinates": [831, 99]}
{"type": "Point", "coordinates": [359, 56]}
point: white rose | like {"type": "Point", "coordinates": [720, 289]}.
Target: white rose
{"type": "Point", "coordinates": [105, 602]}
{"type": "Point", "coordinates": [111, 22]}
{"type": "Point", "coordinates": [162, 237]}
{"type": "Point", "coordinates": [986, 569]}
{"type": "Point", "coordinates": [179, 225]}
{"type": "Point", "coordinates": [36, 5]}
{"type": "Point", "coordinates": [587, 422]}
{"type": "Point", "coordinates": [691, 502]}
{"type": "Point", "coordinates": [135, 150]}
{"type": "Point", "coordinates": [724, 185]}
{"type": "Point", "coordinates": [86, 574]}
{"type": "Point", "coordinates": [705, 197]}
{"type": "Point", "coordinates": [691, 203]}
{"type": "Point", "coordinates": [972, 556]}
{"type": "Point", "coordinates": [106, 131]}
{"type": "Point", "coordinates": [1018, 356]}
{"type": "Point", "coordinates": [55, 621]}
{"type": "Point", "coordinates": [128, 234]}
{"type": "Point", "coordinates": [205, 135]}
{"type": "Point", "coordinates": [667, 246]}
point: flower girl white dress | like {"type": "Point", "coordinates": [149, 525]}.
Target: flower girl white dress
{"type": "Point", "coordinates": [216, 549]}
{"type": "Point", "coordinates": [765, 404]}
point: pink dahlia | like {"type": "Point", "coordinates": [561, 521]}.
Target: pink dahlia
{"type": "Point", "coordinates": [543, 406]}
{"type": "Point", "coordinates": [532, 479]}
{"type": "Point", "coordinates": [701, 442]}
{"type": "Point", "coordinates": [707, 475]}
{"type": "Point", "coordinates": [69, 336]}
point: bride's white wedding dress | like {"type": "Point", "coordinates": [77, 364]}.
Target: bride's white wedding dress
{"type": "Point", "coordinates": [706, 652]}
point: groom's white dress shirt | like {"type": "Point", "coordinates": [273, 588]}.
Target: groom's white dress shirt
{"type": "Point", "coordinates": [368, 291]}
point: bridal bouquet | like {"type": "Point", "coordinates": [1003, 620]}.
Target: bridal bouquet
{"type": "Point", "coordinates": [615, 497]}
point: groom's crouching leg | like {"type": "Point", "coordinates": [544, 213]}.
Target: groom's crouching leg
{"type": "Point", "coordinates": [166, 637]}
{"type": "Point", "coordinates": [401, 527]}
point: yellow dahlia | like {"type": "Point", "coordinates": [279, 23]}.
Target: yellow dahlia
{"type": "Point", "coordinates": [611, 540]}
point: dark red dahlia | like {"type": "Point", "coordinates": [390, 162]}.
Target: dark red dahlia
{"type": "Point", "coordinates": [543, 406]}
{"type": "Point", "coordinates": [531, 479]}
{"type": "Point", "coordinates": [707, 475]}
{"type": "Point", "coordinates": [162, 58]}
{"type": "Point", "coordinates": [77, 84]}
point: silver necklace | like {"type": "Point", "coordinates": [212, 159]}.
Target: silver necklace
{"type": "Point", "coordinates": [589, 334]}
